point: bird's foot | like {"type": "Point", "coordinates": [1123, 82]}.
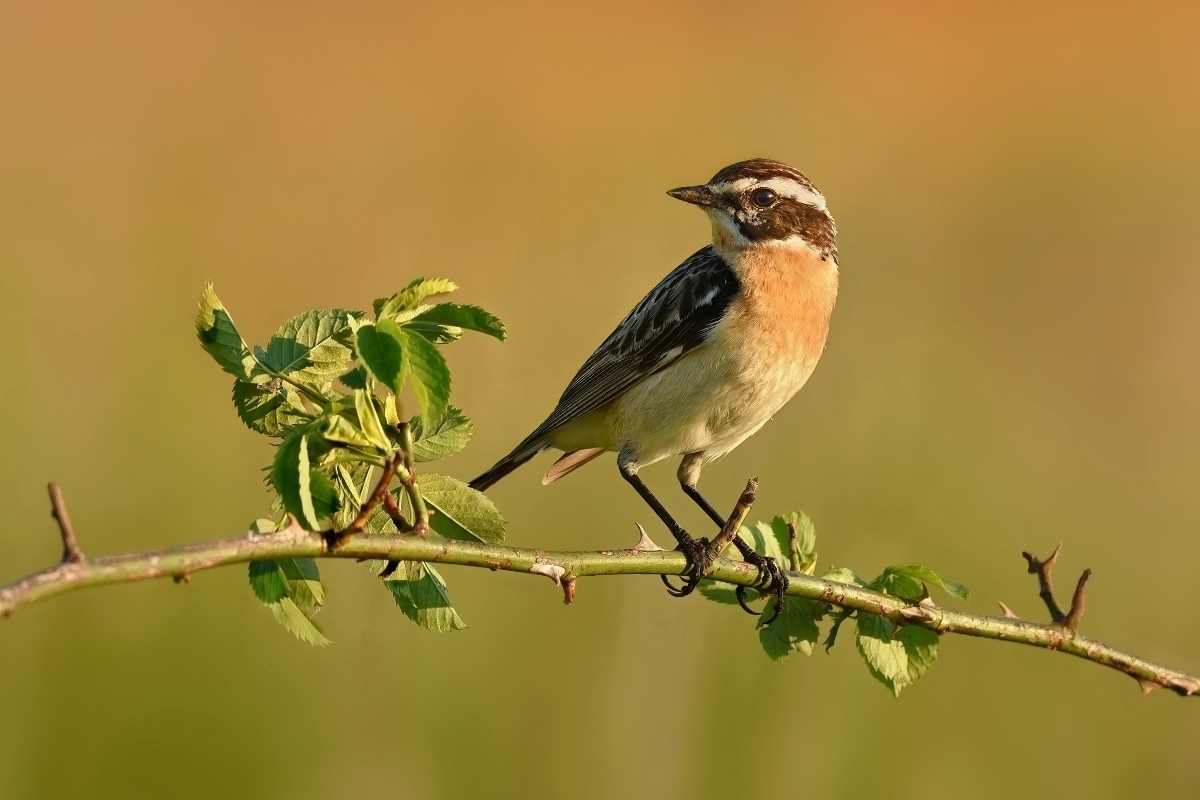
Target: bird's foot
{"type": "Point", "coordinates": [700, 556]}
{"type": "Point", "coordinates": [771, 580]}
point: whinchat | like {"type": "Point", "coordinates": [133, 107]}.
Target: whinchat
{"type": "Point", "coordinates": [711, 353]}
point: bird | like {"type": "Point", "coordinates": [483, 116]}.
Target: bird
{"type": "Point", "coordinates": [710, 355]}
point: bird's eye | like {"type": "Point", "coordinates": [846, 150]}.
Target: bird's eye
{"type": "Point", "coordinates": [763, 198]}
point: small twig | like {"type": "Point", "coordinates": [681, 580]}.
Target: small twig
{"type": "Point", "coordinates": [1075, 615]}
{"type": "Point", "coordinates": [737, 517]}
{"type": "Point", "coordinates": [381, 490]}
{"type": "Point", "coordinates": [793, 546]}
{"type": "Point", "coordinates": [58, 509]}
{"type": "Point", "coordinates": [1043, 569]}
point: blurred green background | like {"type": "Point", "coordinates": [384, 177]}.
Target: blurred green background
{"type": "Point", "coordinates": [1013, 362]}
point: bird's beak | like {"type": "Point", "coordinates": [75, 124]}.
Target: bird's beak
{"type": "Point", "coordinates": [696, 195]}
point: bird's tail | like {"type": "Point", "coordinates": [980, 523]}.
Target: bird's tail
{"type": "Point", "coordinates": [516, 458]}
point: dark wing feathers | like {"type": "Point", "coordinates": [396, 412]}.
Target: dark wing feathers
{"type": "Point", "coordinates": [677, 316]}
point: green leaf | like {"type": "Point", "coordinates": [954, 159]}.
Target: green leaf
{"type": "Point", "coordinates": [806, 539]}
{"type": "Point", "coordinates": [462, 512]}
{"type": "Point", "coordinates": [380, 347]}
{"type": "Point", "coordinates": [310, 347]}
{"type": "Point", "coordinates": [350, 481]}
{"type": "Point", "coordinates": [299, 624]}
{"type": "Point", "coordinates": [453, 315]}
{"type": "Point", "coordinates": [220, 338]}
{"type": "Point", "coordinates": [271, 408]}
{"type": "Point", "coordinates": [340, 430]}
{"type": "Point", "coordinates": [896, 658]}
{"type": "Point", "coordinates": [324, 495]}
{"type": "Point", "coordinates": [719, 592]}
{"type": "Point", "coordinates": [443, 438]}
{"type": "Point", "coordinates": [768, 541]}
{"type": "Point", "coordinates": [794, 629]}
{"type": "Point", "coordinates": [430, 375]}
{"type": "Point", "coordinates": [904, 580]}
{"type": "Point", "coordinates": [355, 379]}
{"type": "Point", "coordinates": [368, 420]}
{"type": "Point", "coordinates": [420, 592]}
{"type": "Point", "coordinates": [297, 578]}
{"type": "Point", "coordinates": [412, 296]}
{"type": "Point", "coordinates": [291, 475]}
{"type": "Point", "coordinates": [291, 588]}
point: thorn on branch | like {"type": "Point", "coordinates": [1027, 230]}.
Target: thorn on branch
{"type": "Point", "coordinates": [644, 544]}
{"type": "Point", "coordinates": [389, 569]}
{"type": "Point", "coordinates": [182, 577]}
{"type": "Point", "coordinates": [1069, 620]}
{"type": "Point", "coordinates": [568, 587]}
{"type": "Point", "coordinates": [1008, 612]}
{"type": "Point", "coordinates": [552, 571]}
{"type": "Point", "coordinates": [58, 509]}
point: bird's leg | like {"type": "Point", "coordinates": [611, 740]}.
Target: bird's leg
{"type": "Point", "coordinates": [770, 576]}
{"type": "Point", "coordinates": [699, 552]}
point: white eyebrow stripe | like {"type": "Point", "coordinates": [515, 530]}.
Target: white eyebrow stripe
{"type": "Point", "coordinates": [784, 187]}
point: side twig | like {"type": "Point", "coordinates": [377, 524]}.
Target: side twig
{"type": "Point", "coordinates": [58, 509]}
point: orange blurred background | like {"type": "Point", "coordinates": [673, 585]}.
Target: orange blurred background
{"type": "Point", "coordinates": [1013, 362]}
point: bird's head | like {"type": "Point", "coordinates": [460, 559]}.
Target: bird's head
{"type": "Point", "coordinates": [764, 202]}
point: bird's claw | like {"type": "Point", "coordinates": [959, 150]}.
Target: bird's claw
{"type": "Point", "coordinates": [770, 578]}
{"type": "Point", "coordinates": [700, 557]}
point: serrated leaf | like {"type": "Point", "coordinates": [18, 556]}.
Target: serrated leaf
{"type": "Point", "coordinates": [324, 495]}
{"type": "Point", "coordinates": [271, 408]}
{"type": "Point", "coordinates": [904, 580]}
{"type": "Point", "coordinates": [763, 537]}
{"type": "Point", "coordinates": [806, 539]}
{"type": "Point", "coordinates": [720, 592]}
{"type": "Point", "coordinates": [355, 379]}
{"type": "Point", "coordinates": [297, 578]}
{"type": "Point", "coordinates": [368, 420]}
{"type": "Point", "coordinates": [437, 334]}
{"type": "Point", "coordinates": [412, 296]}
{"type": "Point", "coordinates": [340, 430]}
{"type": "Point", "coordinates": [896, 658]}
{"type": "Point", "coordinates": [884, 657]}
{"type": "Point", "coordinates": [220, 338]}
{"type": "Point", "coordinates": [794, 629]}
{"type": "Point", "coordinates": [462, 512]}
{"type": "Point", "coordinates": [292, 617]}
{"type": "Point", "coordinates": [380, 347]}
{"type": "Point", "coordinates": [843, 575]}
{"type": "Point", "coordinates": [445, 437]}
{"type": "Point", "coordinates": [351, 481]}
{"type": "Point", "coordinates": [429, 373]}
{"type": "Point", "coordinates": [420, 592]}
{"type": "Point", "coordinates": [291, 475]}
{"type": "Point", "coordinates": [453, 315]}
{"type": "Point", "coordinates": [310, 347]}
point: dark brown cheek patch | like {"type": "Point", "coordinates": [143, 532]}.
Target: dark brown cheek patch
{"type": "Point", "coordinates": [789, 218]}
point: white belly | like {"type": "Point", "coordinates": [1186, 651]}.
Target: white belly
{"type": "Point", "coordinates": [705, 403]}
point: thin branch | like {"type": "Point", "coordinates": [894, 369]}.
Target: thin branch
{"type": "Point", "coordinates": [294, 541]}
{"type": "Point", "coordinates": [737, 517]}
{"type": "Point", "coordinates": [58, 509]}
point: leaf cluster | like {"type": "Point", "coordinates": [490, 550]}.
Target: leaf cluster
{"type": "Point", "coordinates": [897, 656]}
{"type": "Point", "coordinates": [327, 389]}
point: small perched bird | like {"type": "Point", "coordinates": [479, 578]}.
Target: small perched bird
{"type": "Point", "coordinates": [711, 353]}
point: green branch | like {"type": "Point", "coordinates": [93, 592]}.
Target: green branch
{"type": "Point", "coordinates": [76, 571]}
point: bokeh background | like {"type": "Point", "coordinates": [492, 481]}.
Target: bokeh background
{"type": "Point", "coordinates": [1013, 363]}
